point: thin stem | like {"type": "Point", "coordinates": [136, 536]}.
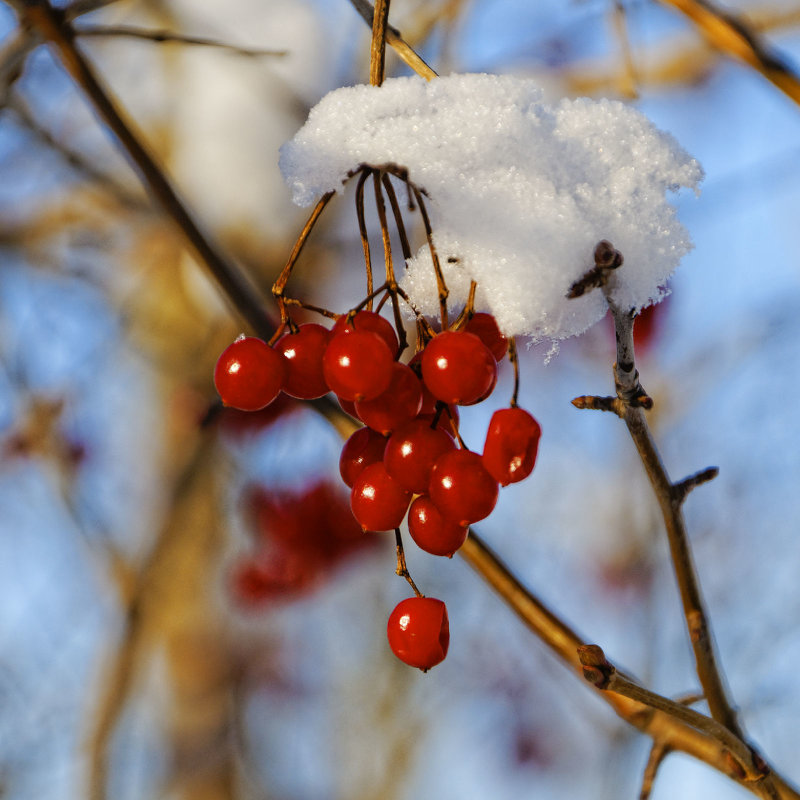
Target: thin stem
{"type": "Point", "coordinates": [441, 286]}
{"type": "Point", "coordinates": [377, 53]}
{"type": "Point", "coordinates": [514, 359]}
{"type": "Point", "coordinates": [402, 567]}
{"type": "Point", "coordinates": [280, 284]}
{"type": "Point", "coordinates": [387, 240]}
{"type": "Point", "coordinates": [362, 229]}
{"type": "Point", "coordinates": [396, 41]}
{"type": "Point", "coordinates": [159, 36]}
{"type": "Point", "coordinates": [398, 216]}
{"type": "Point", "coordinates": [51, 24]}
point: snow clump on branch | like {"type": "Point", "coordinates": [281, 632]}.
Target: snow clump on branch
{"type": "Point", "coordinates": [520, 191]}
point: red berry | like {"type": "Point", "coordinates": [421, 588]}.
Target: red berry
{"type": "Point", "coordinates": [419, 632]}
{"type": "Point", "coordinates": [304, 350]}
{"type": "Point", "coordinates": [378, 501]}
{"type": "Point", "coordinates": [512, 442]}
{"type": "Point", "coordinates": [411, 452]}
{"type": "Point", "coordinates": [369, 321]}
{"type": "Point", "coordinates": [458, 367]}
{"type": "Point", "coordinates": [399, 403]}
{"type": "Point", "coordinates": [431, 531]}
{"type": "Point", "coordinates": [249, 374]}
{"type": "Point", "coordinates": [484, 326]}
{"type": "Point", "coordinates": [462, 489]}
{"type": "Point", "coordinates": [357, 365]}
{"type": "Point", "coordinates": [363, 448]}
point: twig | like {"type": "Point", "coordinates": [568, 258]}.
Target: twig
{"type": "Point", "coordinates": [131, 32]}
{"type": "Point", "coordinates": [670, 497]}
{"type": "Point", "coordinates": [658, 752]}
{"type": "Point", "coordinates": [396, 41]}
{"type": "Point", "coordinates": [13, 54]}
{"type": "Point", "coordinates": [728, 33]}
{"type": "Point", "coordinates": [377, 50]}
{"type": "Point", "coordinates": [52, 25]}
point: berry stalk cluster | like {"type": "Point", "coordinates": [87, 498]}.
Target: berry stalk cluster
{"type": "Point", "coordinates": [408, 461]}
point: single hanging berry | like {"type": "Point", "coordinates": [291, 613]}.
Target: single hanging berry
{"type": "Point", "coordinates": [461, 488]}
{"type": "Point", "coordinates": [303, 351]}
{"type": "Point", "coordinates": [249, 374]}
{"type": "Point", "coordinates": [419, 632]}
{"type": "Point", "coordinates": [457, 367]}
{"type": "Point", "coordinates": [512, 442]}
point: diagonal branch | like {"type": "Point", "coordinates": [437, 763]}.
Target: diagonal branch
{"type": "Point", "coordinates": [52, 26]}
{"type": "Point", "coordinates": [729, 34]}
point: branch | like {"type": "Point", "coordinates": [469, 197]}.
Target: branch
{"type": "Point", "coordinates": [668, 730]}
{"type": "Point", "coordinates": [670, 497]}
{"type": "Point", "coordinates": [729, 34]}
{"type": "Point", "coordinates": [159, 36]}
{"type": "Point", "coordinates": [52, 25]}
{"type": "Point", "coordinates": [393, 38]}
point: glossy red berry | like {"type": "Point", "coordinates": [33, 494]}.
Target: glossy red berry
{"type": "Point", "coordinates": [363, 448]}
{"type": "Point", "coordinates": [431, 531]}
{"type": "Point", "coordinates": [357, 365]}
{"type": "Point", "coordinates": [369, 321]}
{"type": "Point", "coordinates": [378, 501]}
{"type": "Point", "coordinates": [457, 367]}
{"type": "Point", "coordinates": [484, 326]}
{"type": "Point", "coordinates": [303, 351]}
{"type": "Point", "coordinates": [412, 451]}
{"type": "Point", "coordinates": [249, 374]}
{"type": "Point", "coordinates": [512, 442]}
{"type": "Point", "coordinates": [461, 488]}
{"type": "Point", "coordinates": [419, 632]}
{"type": "Point", "coordinates": [399, 403]}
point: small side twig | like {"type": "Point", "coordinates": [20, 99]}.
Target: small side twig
{"type": "Point", "coordinates": [402, 567]}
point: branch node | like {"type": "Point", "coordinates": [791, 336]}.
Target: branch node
{"type": "Point", "coordinates": [606, 260]}
{"type": "Point", "coordinates": [681, 490]}
{"type": "Point", "coordinates": [595, 403]}
{"type": "Point", "coordinates": [596, 668]}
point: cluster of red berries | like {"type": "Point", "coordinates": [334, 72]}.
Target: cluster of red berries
{"type": "Point", "coordinates": [408, 459]}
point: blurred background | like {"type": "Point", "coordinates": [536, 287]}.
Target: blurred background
{"type": "Point", "coordinates": [185, 609]}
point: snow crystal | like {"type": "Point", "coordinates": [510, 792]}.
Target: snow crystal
{"type": "Point", "coordinates": [520, 191]}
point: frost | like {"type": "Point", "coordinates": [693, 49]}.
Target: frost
{"type": "Point", "coordinates": [520, 191]}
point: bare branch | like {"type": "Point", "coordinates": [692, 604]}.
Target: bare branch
{"type": "Point", "coordinates": [393, 38]}
{"type": "Point", "coordinates": [158, 36]}
{"type": "Point", "coordinates": [729, 34]}
{"type": "Point", "coordinates": [52, 25]}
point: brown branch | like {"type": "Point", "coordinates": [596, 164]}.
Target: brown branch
{"type": "Point", "coordinates": [658, 753]}
{"type": "Point", "coordinates": [663, 726]}
{"type": "Point", "coordinates": [396, 41]}
{"type": "Point", "coordinates": [604, 675]}
{"type": "Point", "coordinates": [377, 50]}
{"type": "Point", "coordinates": [170, 37]}
{"type": "Point", "coordinates": [731, 35]}
{"type": "Point", "coordinates": [52, 25]}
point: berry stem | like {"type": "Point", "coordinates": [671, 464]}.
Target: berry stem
{"type": "Point", "coordinates": [398, 217]}
{"type": "Point", "coordinates": [437, 268]}
{"type": "Point", "coordinates": [512, 357]}
{"type": "Point", "coordinates": [362, 229]}
{"type": "Point", "coordinates": [402, 568]}
{"type": "Point", "coordinates": [280, 284]}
